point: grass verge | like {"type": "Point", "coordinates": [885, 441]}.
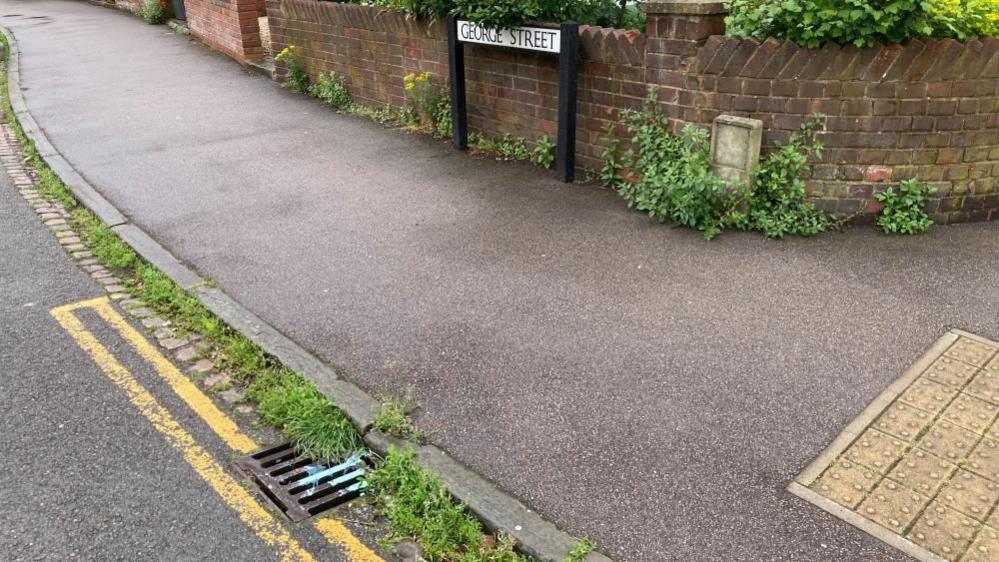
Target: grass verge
{"type": "Point", "coordinates": [415, 503]}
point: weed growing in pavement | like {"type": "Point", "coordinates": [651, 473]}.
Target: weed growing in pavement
{"type": "Point", "coordinates": [673, 180]}
{"type": "Point", "coordinates": [330, 89]}
{"type": "Point", "coordinates": [902, 211]}
{"type": "Point", "coordinates": [152, 12]}
{"type": "Point", "coordinates": [393, 416]}
{"type": "Point", "coordinates": [420, 508]}
{"type": "Point", "coordinates": [387, 115]}
{"type": "Point", "coordinates": [544, 153]}
{"type": "Point", "coordinates": [295, 77]}
{"type": "Point", "coordinates": [582, 548]}
{"type": "Point", "coordinates": [429, 106]}
{"type": "Point", "coordinates": [514, 148]}
{"type": "Point", "coordinates": [610, 173]}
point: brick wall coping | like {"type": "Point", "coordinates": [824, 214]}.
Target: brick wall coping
{"type": "Point", "coordinates": [685, 7]}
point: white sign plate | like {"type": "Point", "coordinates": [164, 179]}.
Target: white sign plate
{"type": "Point", "coordinates": [531, 38]}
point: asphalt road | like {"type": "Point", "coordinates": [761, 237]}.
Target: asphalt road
{"type": "Point", "coordinates": [635, 384]}
{"type": "Point", "coordinates": [83, 475]}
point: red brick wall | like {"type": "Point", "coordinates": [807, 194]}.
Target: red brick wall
{"type": "Point", "coordinates": [229, 26]}
{"type": "Point", "coordinates": [508, 91]}
{"type": "Point", "coordinates": [926, 108]}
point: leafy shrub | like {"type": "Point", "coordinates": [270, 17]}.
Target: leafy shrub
{"type": "Point", "coordinates": [499, 14]}
{"type": "Point", "coordinates": [330, 89]}
{"type": "Point", "coordinates": [670, 177]}
{"type": "Point", "coordinates": [861, 22]}
{"type": "Point", "coordinates": [152, 12]}
{"type": "Point", "coordinates": [295, 77]}
{"type": "Point", "coordinates": [778, 205]}
{"type": "Point", "coordinates": [961, 19]}
{"type": "Point", "coordinates": [902, 211]}
{"type": "Point", "coordinates": [431, 9]}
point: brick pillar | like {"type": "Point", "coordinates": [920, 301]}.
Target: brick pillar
{"type": "Point", "coordinates": [678, 27]}
{"type": "Point", "coordinates": [249, 29]}
{"type": "Point", "coordinates": [675, 31]}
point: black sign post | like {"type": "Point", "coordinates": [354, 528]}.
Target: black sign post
{"type": "Point", "coordinates": [535, 39]}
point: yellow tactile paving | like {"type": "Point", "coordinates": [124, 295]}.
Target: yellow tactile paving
{"type": "Point", "coordinates": [924, 472]}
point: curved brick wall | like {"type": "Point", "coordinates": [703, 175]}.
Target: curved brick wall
{"type": "Point", "coordinates": [925, 108]}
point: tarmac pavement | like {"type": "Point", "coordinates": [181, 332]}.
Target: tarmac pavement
{"type": "Point", "coordinates": [632, 382]}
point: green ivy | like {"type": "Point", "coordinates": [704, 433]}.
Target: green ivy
{"type": "Point", "coordinates": [902, 211]}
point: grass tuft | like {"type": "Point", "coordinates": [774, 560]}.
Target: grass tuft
{"type": "Point", "coordinates": [103, 242]}
{"type": "Point", "coordinates": [581, 550]}
{"type": "Point", "coordinates": [393, 417]}
{"type": "Point", "coordinates": [420, 508]}
{"type": "Point", "coordinates": [293, 405]}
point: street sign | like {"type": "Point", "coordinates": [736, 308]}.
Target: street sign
{"type": "Point", "coordinates": [562, 41]}
{"type": "Point", "coordinates": [544, 39]}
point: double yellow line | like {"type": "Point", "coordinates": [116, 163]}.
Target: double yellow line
{"type": "Point", "coordinates": [266, 527]}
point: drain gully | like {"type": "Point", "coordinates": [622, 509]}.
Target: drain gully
{"type": "Point", "coordinates": [300, 486]}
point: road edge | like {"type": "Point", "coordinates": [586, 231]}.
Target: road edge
{"type": "Point", "coordinates": [498, 510]}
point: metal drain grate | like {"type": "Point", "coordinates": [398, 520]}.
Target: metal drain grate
{"type": "Point", "coordinates": [300, 486]}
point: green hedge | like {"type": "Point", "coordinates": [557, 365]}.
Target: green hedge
{"type": "Point", "coordinates": [861, 22]}
{"type": "Point", "coordinates": [511, 13]}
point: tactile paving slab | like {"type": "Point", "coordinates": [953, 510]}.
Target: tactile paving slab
{"type": "Point", "coordinates": [919, 469]}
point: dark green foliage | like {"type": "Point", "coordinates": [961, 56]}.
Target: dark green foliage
{"type": "Point", "coordinates": [670, 177]}
{"type": "Point", "coordinates": [673, 180]}
{"type": "Point", "coordinates": [902, 211]}
{"type": "Point", "coordinates": [778, 204]}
